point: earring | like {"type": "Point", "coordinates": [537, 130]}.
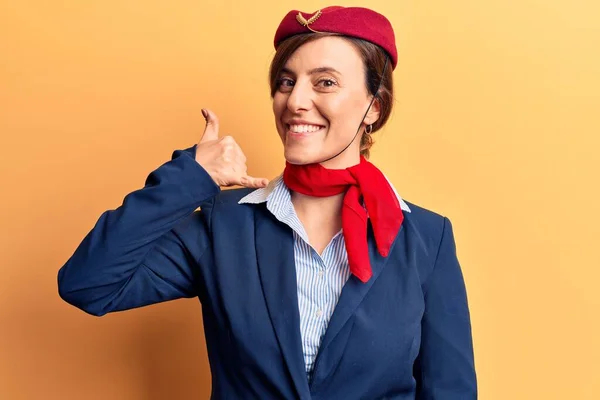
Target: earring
{"type": "Point", "coordinates": [369, 129]}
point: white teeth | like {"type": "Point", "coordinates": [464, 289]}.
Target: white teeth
{"type": "Point", "coordinates": [304, 128]}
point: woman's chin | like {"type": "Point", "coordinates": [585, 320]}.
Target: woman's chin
{"type": "Point", "coordinates": [296, 157]}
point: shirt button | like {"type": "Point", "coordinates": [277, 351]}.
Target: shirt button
{"type": "Point", "coordinates": [321, 273]}
{"type": "Point", "coordinates": [319, 313]}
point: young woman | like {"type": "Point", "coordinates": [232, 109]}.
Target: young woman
{"type": "Point", "coordinates": [323, 283]}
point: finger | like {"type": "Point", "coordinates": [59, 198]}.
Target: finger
{"type": "Point", "coordinates": [211, 131]}
{"type": "Point", "coordinates": [251, 182]}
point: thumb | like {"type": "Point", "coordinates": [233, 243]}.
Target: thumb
{"type": "Point", "coordinates": [211, 131]}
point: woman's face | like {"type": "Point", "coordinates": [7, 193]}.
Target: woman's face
{"type": "Point", "coordinates": [320, 101]}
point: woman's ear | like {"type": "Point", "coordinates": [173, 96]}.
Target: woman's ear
{"type": "Point", "coordinates": [374, 112]}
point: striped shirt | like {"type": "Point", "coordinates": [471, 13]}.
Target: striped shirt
{"type": "Point", "coordinates": [320, 277]}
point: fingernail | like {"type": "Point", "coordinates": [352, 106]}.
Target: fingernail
{"type": "Point", "coordinates": [205, 113]}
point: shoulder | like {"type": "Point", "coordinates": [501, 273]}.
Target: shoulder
{"type": "Point", "coordinates": [226, 198]}
{"type": "Point", "coordinates": [223, 210]}
{"type": "Point", "coordinates": [424, 231]}
{"type": "Point", "coordinates": [424, 220]}
{"type": "Point", "coordinates": [226, 204]}
{"type": "Point", "coordinates": [231, 197]}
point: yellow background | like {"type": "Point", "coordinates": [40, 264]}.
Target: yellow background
{"type": "Point", "coordinates": [496, 125]}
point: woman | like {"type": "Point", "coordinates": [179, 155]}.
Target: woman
{"type": "Point", "coordinates": [322, 284]}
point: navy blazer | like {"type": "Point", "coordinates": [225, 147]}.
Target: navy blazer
{"type": "Point", "coordinates": [405, 334]}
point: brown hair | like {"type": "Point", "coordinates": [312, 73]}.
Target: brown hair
{"type": "Point", "coordinates": [374, 58]}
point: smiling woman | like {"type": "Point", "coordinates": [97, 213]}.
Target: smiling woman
{"type": "Point", "coordinates": [323, 283]}
{"type": "Point", "coordinates": [372, 64]}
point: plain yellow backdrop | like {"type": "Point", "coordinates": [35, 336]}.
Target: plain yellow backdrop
{"type": "Point", "coordinates": [496, 125]}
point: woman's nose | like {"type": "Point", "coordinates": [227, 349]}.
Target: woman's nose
{"type": "Point", "coordinates": [300, 98]}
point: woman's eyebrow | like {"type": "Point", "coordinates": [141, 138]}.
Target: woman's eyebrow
{"type": "Point", "coordinates": [312, 71]}
{"type": "Point", "coordinates": [323, 69]}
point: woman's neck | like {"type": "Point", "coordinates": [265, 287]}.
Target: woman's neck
{"type": "Point", "coordinates": [342, 161]}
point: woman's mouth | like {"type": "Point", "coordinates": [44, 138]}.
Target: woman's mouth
{"type": "Point", "coordinates": [302, 130]}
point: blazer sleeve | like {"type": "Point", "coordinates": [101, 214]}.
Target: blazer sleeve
{"type": "Point", "coordinates": [444, 369]}
{"type": "Point", "coordinates": [148, 249]}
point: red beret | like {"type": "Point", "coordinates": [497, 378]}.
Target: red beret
{"type": "Point", "coordinates": [357, 22]}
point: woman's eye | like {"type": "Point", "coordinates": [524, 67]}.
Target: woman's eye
{"type": "Point", "coordinates": [285, 82]}
{"type": "Point", "coordinates": [327, 82]}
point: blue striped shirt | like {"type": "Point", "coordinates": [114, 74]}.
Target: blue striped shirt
{"type": "Point", "coordinates": [320, 278]}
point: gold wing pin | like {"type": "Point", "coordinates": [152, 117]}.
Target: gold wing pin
{"type": "Point", "coordinates": [306, 22]}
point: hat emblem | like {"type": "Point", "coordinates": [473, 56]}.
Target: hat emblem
{"type": "Point", "coordinates": [306, 22]}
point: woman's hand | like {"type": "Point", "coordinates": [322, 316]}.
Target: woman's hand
{"type": "Point", "coordinates": [223, 158]}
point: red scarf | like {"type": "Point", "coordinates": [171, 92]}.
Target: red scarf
{"type": "Point", "coordinates": [361, 181]}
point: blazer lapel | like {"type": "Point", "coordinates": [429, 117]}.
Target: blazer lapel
{"type": "Point", "coordinates": [352, 294]}
{"type": "Point", "coordinates": [277, 269]}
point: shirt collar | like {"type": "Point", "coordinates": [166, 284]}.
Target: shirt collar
{"type": "Point", "coordinates": [262, 195]}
